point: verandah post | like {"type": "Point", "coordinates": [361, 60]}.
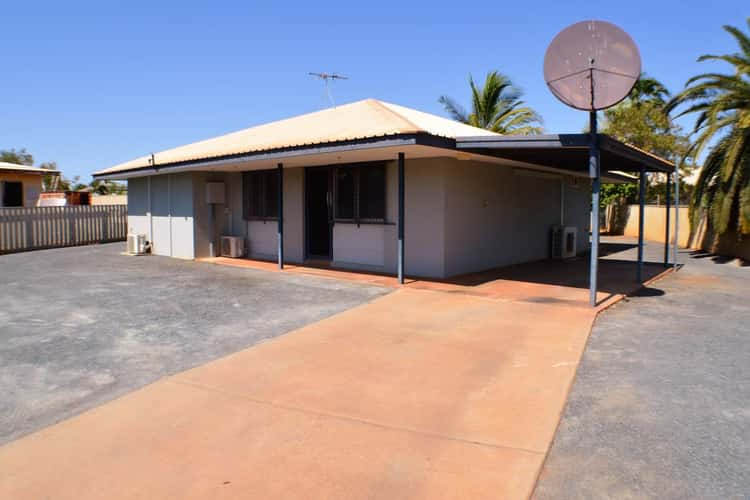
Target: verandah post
{"type": "Point", "coordinates": [666, 224]}
{"type": "Point", "coordinates": [280, 170]}
{"type": "Point", "coordinates": [641, 220]}
{"type": "Point", "coordinates": [401, 218]}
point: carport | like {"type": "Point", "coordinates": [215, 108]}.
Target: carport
{"type": "Point", "coordinates": [575, 153]}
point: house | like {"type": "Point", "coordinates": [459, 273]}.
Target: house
{"type": "Point", "coordinates": [373, 186]}
{"type": "Point", "coordinates": [20, 185]}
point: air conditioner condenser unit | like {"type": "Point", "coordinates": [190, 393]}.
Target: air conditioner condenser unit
{"type": "Point", "coordinates": [232, 246]}
{"type": "Point", "coordinates": [564, 242]}
{"type": "Point", "coordinates": [137, 244]}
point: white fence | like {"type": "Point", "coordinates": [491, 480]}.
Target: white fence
{"type": "Point", "coordinates": [35, 228]}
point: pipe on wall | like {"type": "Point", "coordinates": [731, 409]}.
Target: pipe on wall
{"type": "Point", "coordinates": [150, 212]}
{"type": "Point", "coordinates": [169, 212]}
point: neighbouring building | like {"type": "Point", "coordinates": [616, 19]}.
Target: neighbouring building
{"type": "Point", "coordinates": [20, 185]}
{"type": "Point", "coordinates": [373, 186]}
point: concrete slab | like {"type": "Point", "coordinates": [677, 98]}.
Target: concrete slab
{"type": "Point", "coordinates": [171, 440]}
{"type": "Point", "coordinates": [546, 281]}
{"type": "Point", "coordinates": [436, 391]}
{"type": "Point", "coordinates": [442, 364]}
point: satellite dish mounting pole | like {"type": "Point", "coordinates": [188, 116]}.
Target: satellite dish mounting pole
{"type": "Point", "coordinates": [595, 174]}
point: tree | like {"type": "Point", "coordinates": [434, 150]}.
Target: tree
{"type": "Point", "coordinates": [648, 89]}
{"type": "Point", "coordinates": [50, 181]}
{"type": "Point", "coordinates": [722, 104]}
{"type": "Point", "coordinates": [76, 185]}
{"type": "Point", "coordinates": [107, 187]}
{"type": "Point", "coordinates": [20, 157]}
{"type": "Point", "coordinates": [641, 120]}
{"type": "Point", "coordinates": [497, 106]}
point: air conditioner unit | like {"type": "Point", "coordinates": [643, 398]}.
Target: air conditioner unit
{"type": "Point", "coordinates": [563, 242]}
{"type": "Point", "coordinates": [137, 244]}
{"type": "Point", "coordinates": [232, 246]}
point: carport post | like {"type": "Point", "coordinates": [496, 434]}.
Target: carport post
{"type": "Point", "coordinates": [594, 173]}
{"type": "Point", "coordinates": [666, 224]}
{"type": "Point", "coordinates": [676, 214]}
{"type": "Point", "coordinates": [641, 220]}
{"type": "Point", "coordinates": [401, 218]}
{"type": "Point", "coordinates": [280, 170]}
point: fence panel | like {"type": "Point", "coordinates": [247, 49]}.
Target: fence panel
{"type": "Point", "coordinates": [35, 228]}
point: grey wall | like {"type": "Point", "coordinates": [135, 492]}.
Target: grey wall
{"type": "Point", "coordinates": [138, 206]}
{"type": "Point", "coordinates": [461, 216]}
{"type": "Point", "coordinates": [578, 209]}
{"type": "Point", "coordinates": [181, 215]}
{"type": "Point", "coordinates": [262, 236]}
{"type": "Point", "coordinates": [171, 229]}
{"type": "Point", "coordinates": [375, 246]}
{"type": "Point", "coordinates": [425, 219]}
{"type": "Point", "coordinates": [294, 215]}
{"type": "Point", "coordinates": [498, 217]}
{"type": "Point", "coordinates": [161, 242]}
{"type": "Point", "coordinates": [223, 213]}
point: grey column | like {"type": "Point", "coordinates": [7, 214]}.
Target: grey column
{"type": "Point", "coordinates": [641, 221]}
{"type": "Point", "coordinates": [211, 230]}
{"type": "Point", "coordinates": [594, 173]}
{"type": "Point", "coordinates": [401, 218]}
{"type": "Point", "coordinates": [676, 214]}
{"type": "Point", "coordinates": [280, 170]}
{"type": "Point", "coordinates": [668, 201]}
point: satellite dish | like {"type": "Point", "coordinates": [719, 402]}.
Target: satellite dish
{"type": "Point", "coordinates": [592, 65]}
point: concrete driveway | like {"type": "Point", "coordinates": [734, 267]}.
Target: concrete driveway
{"type": "Point", "coordinates": [81, 326]}
{"type": "Point", "coordinates": [661, 403]}
{"type": "Point", "coordinates": [436, 390]}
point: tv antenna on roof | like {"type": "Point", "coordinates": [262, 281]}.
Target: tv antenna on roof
{"type": "Point", "coordinates": [326, 77]}
{"type": "Point", "coordinates": [592, 65]}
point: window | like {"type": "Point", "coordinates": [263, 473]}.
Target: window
{"type": "Point", "coordinates": [260, 195]}
{"type": "Point", "coordinates": [360, 193]}
{"type": "Point", "coordinates": [12, 194]}
{"type": "Point", "coordinates": [345, 193]}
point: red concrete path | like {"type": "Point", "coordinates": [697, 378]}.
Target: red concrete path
{"type": "Point", "coordinates": [418, 394]}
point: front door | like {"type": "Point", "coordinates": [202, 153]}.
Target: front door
{"type": "Point", "coordinates": [318, 215]}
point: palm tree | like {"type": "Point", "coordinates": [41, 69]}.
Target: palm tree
{"type": "Point", "coordinates": [648, 89]}
{"type": "Point", "coordinates": [722, 104]}
{"type": "Point", "coordinates": [497, 106]}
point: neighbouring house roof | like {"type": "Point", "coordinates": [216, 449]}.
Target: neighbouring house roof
{"type": "Point", "coordinates": [361, 120]}
{"type": "Point", "coordinates": [25, 169]}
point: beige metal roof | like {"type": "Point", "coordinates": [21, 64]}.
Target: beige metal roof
{"type": "Point", "coordinates": [365, 119]}
{"type": "Point", "coordinates": [4, 166]}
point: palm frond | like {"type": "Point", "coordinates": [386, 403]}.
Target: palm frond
{"type": "Point", "coordinates": [454, 109]}
{"type": "Point", "coordinates": [721, 103]}
{"type": "Point", "coordinates": [496, 106]}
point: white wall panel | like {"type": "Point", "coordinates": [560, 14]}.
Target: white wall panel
{"type": "Point", "coordinates": [363, 245]}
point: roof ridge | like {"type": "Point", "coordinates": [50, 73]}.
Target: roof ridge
{"type": "Point", "coordinates": [381, 105]}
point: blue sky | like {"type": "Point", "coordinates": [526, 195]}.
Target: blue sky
{"type": "Point", "coordinates": [91, 84]}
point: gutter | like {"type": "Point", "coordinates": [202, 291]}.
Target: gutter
{"type": "Point", "coordinates": [421, 138]}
